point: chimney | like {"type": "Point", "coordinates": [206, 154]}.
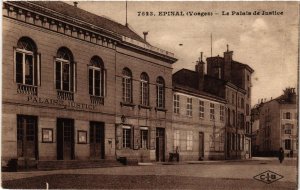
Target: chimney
{"type": "Point", "coordinates": [75, 3]}
{"type": "Point", "coordinates": [200, 71]}
{"type": "Point", "coordinates": [145, 35]}
{"type": "Point", "coordinates": [227, 64]}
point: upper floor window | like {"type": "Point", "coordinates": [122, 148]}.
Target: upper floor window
{"type": "Point", "coordinates": [233, 118]}
{"type": "Point", "coordinates": [64, 70]}
{"type": "Point", "coordinates": [189, 107]}
{"type": "Point", "coordinates": [27, 62]}
{"type": "Point", "coordinates": [287, 115]}
{"type": "Point", "coordinates": [228, 117]}
{"type": "Point", "coordinates": [247, 128]}
{"type": "Point", "coordinates": [221, 113]}
{"type": "Point", "coordinates": [127, 85]}
{"type": "Point", "coordinates": [96, 77]}
{"type": "Point", "coordinates": [232, 98]}
{"type": "Point", "coordinates": [248, 93]}
{"type": "Point", "coordinates": [212, 111]}
{"type": "Point", "coordinates": [144, 89]}
{"type": "Point", "coordinates": [176, 103]}
{"type": "Point", "coordinates": [242, 103]}
{"type": "Point", "coordinates": [201, 109]}
{"type": "Point", "coordinates": [247, 109]}
{"type": "Point", "coordinates": [160, 87]}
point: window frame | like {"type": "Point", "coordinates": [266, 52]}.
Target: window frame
{"type": "Point", "coordinates": [189, 106]}
{"type": "Point", "coordinates": [201, 109]}
{"type": "Point", "coordinates": [222, 113]}
{"type": "Point", "coordinates": [212, 111]}
{"type": "Point", "coordinates": [127, 144]}
{"type": "Point", "coordinates": [145, 90]}
{"type": "Point", "coordinates": [102, 76]}
{"type": "Point", "coordinates": [176, 103]}
{"type": "Point", "coordinates": [189, 140]}
{"type": "Point", "coordinates": [142, 131]}
{"type": "Point", "coordinates": [160, 92]}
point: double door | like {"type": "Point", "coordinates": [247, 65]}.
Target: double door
{"type": "Point", "coordinates": [65, 139]}
{"type": "Point", "coordinates": [27, 137]}
{"type": "Point", "coordinates": [96, 140]}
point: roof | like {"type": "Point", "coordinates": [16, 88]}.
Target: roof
{"type": "Point", "coordinates": [215, 58]}
{"type": "Point", "coordinates": [82, 15]}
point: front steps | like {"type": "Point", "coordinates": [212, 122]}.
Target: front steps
{"type": "Point", "coordinates": [76, 164]}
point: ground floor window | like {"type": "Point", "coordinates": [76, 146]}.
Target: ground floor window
{"type": "Point", "coordinates": [189, 139]}
{"type": "Point", "coordinates": [144, 139]}
{"type": "Point", "coordinates": [126, 137]}
{"type": "Point", "coordinates": [176, 139]}
{"type": "Point", "coordinates": [287, 143]}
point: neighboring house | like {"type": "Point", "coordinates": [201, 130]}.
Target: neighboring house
{"type": "Point", "coordinates": [278, 124]}
{"type": "Point", "coordinates": [77, 86]}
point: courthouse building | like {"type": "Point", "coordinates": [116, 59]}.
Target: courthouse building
{"type": "Point", "coordinates": [77, 86]}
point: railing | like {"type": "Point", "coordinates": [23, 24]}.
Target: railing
{"type": "Point", "coordinates": [97, 100]}
{"type": "Point", "coordinates": [27, 89]}
{"type": "Point", "coordinates": [65, 95]}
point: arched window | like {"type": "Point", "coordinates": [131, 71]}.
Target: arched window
{"type": "Point", "coordinates": [96, 77]}
{"type": "Point", "coordinates": [233, 118]}
{"type": "Point", "coordinates": [144, 89]}
{"type": "Point", "coordinates": [64, 70]}
{"type": "Point", "coordinates": [228, 117]}
{"type": "Point", "coordinates": [27, 62]}
{"type": "Point", "coordinates": [160, 87]}
{"type": "Point", "coordinates": [127, 85]}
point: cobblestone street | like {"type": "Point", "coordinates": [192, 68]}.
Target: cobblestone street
{"type": "Point", "coordinates": [193, 175]}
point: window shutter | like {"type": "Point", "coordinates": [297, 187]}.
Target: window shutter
{"type": "Point", "coordinates": [104, 82]}
{"type": "Point", "coordinates": [119, 133]}
{"type": "Point", "coordinates": [38, 61]}
{"type": "Point", "coordinates": [152, 138]}
{"type": "Point", "coordinates": [136, 137]}
{"type": "Point", "coordinates": [14, 65]}
{"type": "Point", "coordinates": [74, 76]}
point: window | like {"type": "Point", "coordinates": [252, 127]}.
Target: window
{"type": "Point", "coordinates": [221, 113]}
{"type": "Point", "coordinates": [233, 118]}
{"type": "Point", "coordinates": [287, 143]}
{"type": "Point", "coordinates": [212, 111]}
{"type": "Point", "coordinates": [160, 85]}
{"type": "Point", "coordinates": [288, 131]}
{"type": "Point", "coordinates": [176, 103]}
{"type": "Point", "coordinates": [201, 109]}
{"type": "Point", "coordinates": [64, 70]}
{"type": "Point", "coordinates": [176, 139]}
{"type": "Point", "coordinates": [248, 77]}
{"type": "Point", "coordinates": [248, 92]}
{"type": "Point", "coordinates": [247, 128]}
{"type": "Point", "coordinates": [144, 139]}
{"type": "Point", "coordinates": [238, 102]}
{"type": "Point", "coordinates": [228, 117]}
{"type": "Point", "coordinates": [144, 89]}
{"type": "Point", "coordinates": [96, 77]}
{"type": "Point", "coordinates": [189, 108]}
{"type": "Point", "coordinates": [232, 98]}
{"type": "Point", "coordinates": [247, 109]}
{"type": "Point", "coordinates": [287, 115]}
{"type": "Point", "coordinates": [127, 85]}
{"type": "Point", "coordinates": [126, 137]}
{"type": "Point", "coordinates": [27, 62]}
{"type": "Point", "coordinates": [243, 103]}
{"type": "Point", "coordinates": [189, 140]}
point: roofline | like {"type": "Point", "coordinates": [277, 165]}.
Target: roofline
{"type": "Point", "coordinates": [182, 90]}
{"type": "Point", "coordinates": [99, 30]}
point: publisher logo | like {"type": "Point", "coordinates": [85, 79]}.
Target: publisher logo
{"type": "Point", "coordinates": [268, 177]}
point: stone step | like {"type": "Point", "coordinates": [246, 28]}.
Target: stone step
{"type": "Point", "coordinates": [73, 164]}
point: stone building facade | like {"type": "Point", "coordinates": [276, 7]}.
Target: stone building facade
{"type": "Point", "coordinates": [72, 85]}
{"type": "Point", "coordinates": [278, 124]}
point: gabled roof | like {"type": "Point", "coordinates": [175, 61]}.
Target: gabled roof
{"type": "Point", "coordinates": [70, 11]}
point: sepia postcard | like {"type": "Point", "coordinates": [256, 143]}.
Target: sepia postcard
{"type": "Point", "coordinates": [149, 95]}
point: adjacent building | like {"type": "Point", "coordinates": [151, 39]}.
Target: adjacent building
{"type": "Point", "coordinates": [278, 124]}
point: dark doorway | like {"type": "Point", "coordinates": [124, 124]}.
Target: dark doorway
{"type": "Point", "coordinates": [96, 140]}
{"type": "Point", "coordinates": [65, 139]}
{"type": "Point", "coordinates": [27, 141]}
{"type": "Point", "coordinates": [160, 144]}
{"type": "Point", "coordinates": [201, 145]}
{"type": "Point", "coordinates": [228, 145]}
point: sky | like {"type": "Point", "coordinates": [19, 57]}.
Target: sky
{"type": "Point", "coordinates": [267, 43]}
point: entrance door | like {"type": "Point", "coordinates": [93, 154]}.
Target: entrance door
{"type": "Point", "coordinates": [160, 144]}
{"type": "Point", "coordinates": [228, 145]}
{"type": "Point", "coordinates": [65, 139]}
{"type": "Point", "coordinates": [96, 140]}
{"type": "Point", "coordinates": [201, 145]}
{"type": "Point", "coordinates": [27, 137]}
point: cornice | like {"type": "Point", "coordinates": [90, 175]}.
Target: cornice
{"type": "Point", "coordinates": [54, 21]}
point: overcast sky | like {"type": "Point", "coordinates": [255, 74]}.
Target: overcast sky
{"type": "Point", "coordinates": [268, 44]}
